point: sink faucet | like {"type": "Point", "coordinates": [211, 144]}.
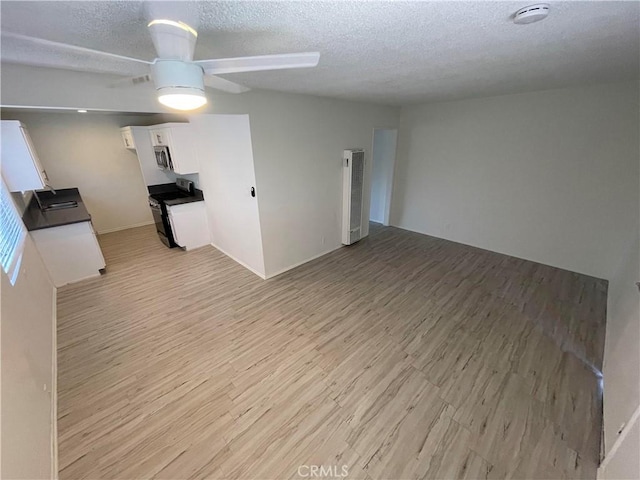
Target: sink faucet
{"type": "Point", "coordinates": [35, 194]}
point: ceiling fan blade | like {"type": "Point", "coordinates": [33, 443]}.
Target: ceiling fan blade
{"type": "Point", "coordinates": [224, 85]}
{"type": "Point", "coordinates": [16, 39]}
{"type": "Point", "coordinates": [261, 62]}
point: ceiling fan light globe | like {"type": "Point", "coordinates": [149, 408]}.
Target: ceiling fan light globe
{"type": "Point", "coordinates": [179, 84]}
{"type": "Point", "coordinates": [182, 98]}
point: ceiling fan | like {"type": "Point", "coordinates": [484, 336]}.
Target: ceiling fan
{"type": "Point", "coordinates": [179, 80]}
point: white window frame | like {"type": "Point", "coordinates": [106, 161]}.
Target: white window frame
{"type": "Point", "coordinates": [13, 235]}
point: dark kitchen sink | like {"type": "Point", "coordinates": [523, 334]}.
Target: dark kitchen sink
{"type": "Point", "coordinates": [60, 205]}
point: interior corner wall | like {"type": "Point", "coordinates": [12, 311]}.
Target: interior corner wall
{"type": "Point", "coordinates": [298, 144]}
{"type": "Point", "coordinates": [621, 371]}
{"type": "Point", "coordinates": [547, 176]}
{"type": "Point", "coordinates": [227, 175]}
{"type": "Point", "coordinates": [384, 155]}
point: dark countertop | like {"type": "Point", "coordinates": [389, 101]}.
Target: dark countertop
{"type": "Point", "coordinates": [170, 189]}
{"type": "Point", "coordinates": [197, 197]}
{"type": "Point", "coordinates": [36, 219]}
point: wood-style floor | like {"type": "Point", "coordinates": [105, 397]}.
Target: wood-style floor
{"type": "Point", "coordinates": [403, 356]}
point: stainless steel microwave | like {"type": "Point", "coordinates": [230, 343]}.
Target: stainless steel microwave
{"type": "Point", "coordinates": [163, 158]}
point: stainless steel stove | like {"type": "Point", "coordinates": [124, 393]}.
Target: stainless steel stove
{"type": "Point", "coordinates": [183, 188]}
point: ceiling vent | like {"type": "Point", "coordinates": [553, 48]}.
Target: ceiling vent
{"type": "Point", "coordinates": [530, 14]}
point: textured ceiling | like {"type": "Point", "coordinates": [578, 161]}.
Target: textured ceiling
{"type": "Point", "coordinates": [385, 52]}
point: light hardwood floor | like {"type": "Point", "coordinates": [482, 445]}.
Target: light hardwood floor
{"type": "Point", "coordinates": [403, 356]}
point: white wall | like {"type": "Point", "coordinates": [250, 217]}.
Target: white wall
{"type": "Point", "coordinates": [621, 369]}
{"type": "Point", "coordinates": [384, 156]}
{"type": "Point", "coordinates": [298, 142]}
{"type": "Point", "coordinates": [624, 462]}
{"type": "Point", "coordinates": [28, 352]}
{"type": "Point", "coordinates": [547, 176]}
{"type": "Point", "coordinates": [86, 151]}
{"type": "Point", "coordinates": [227, 176]}
{"type": "Point", "coordinates": [621, 372]}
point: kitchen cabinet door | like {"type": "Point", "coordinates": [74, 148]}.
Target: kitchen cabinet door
{"type": "Point", "coordinates": [70, 252]}
{"type": "Point", "coordinates": [189, 225]}
{"type": "Point", "coordinates": [21, 167]}
{"type": "Point", "coordinates": [182, 150]}
{"type": "Point", "coordinates": [161, 137]}
{"type": "Point", "coordinates": [178, 137]}
{"type": "Point", "coordinates": [127, 138]}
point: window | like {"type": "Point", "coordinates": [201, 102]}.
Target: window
{"type": "Point", "coordinates": [12, 235]}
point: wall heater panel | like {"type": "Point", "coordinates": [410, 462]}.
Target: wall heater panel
{"type": "Point", "coordinates": [353, 196]}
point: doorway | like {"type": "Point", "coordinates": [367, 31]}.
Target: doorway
{"type": "Point", "coordinates": [384, 159]}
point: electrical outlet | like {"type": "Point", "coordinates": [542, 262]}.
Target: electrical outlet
{"type": "Point", "coordinates": [323, 240]}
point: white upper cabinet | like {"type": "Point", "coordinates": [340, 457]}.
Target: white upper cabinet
{"type": "Point", "coordinates": [179, 139]}
{"type": "Point", "coordinates": [127, 138]}
{"type": "Point", "coordinates": [160, 137]}
{"type": "Point", "coordinates": [21, 168]}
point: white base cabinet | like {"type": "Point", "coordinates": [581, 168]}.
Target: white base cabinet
{"type": "Point", "coordinates": [70, 252]}
{"type": "Point", "coordinates": [189, 225]}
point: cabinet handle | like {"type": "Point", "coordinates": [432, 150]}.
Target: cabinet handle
{"type": "Point", "coordinates": [46, 177]}
{"type": "Point", "coordinates": [159, 139]}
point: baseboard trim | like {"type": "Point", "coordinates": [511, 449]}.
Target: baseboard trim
{"type": "Point", "coordinates": [480, 247]}
{"type": "Point", "coordinates": [126, 227]}
{"type": "Point", "coordinates": [89, 277]}
{"type": "Point", "coordinates": [616, 445]}
{"type": "Point", "coordinates": [251, 269]}
{"type": "Point", "coordinates": [295, 265]}
{"type": "Point", "coordinates": [279, 272]}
